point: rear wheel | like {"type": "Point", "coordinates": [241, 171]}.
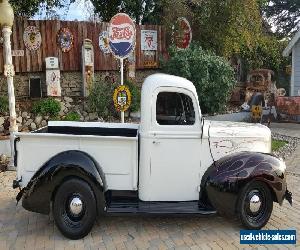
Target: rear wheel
{"type": "Point", "coordinates": [255, 205]}
{"type": "Point", "coordinates": [74, 208]}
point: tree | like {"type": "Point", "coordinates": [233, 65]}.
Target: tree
{"type": "Point", "coordinates": [283, 15]}
{"type": "Point", "coordinates": [225, 26]}
{"type": "Point", "coordinates": [141, 11]}
{"type": "Point", "coordinates": [29, 8]}
{"type": "Point", "coordinates": [212, 75]}
{"type": "Point", "coordinates": [106, 9]}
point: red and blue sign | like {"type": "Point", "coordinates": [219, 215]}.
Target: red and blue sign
{"type": "Point", "coordinates": [121, 35]}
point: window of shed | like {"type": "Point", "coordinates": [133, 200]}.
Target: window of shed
{"type": "Point", "coordinates": [174, 109]}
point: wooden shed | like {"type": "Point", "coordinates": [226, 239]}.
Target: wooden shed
{"type": "Point", "coordinates": [293, 49]}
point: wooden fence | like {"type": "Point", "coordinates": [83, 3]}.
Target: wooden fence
{"type": "Point", "coordinates": [34, 61]}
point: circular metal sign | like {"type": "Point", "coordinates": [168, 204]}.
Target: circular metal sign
{"type": "Point", "coordinates": [183, 33]}
{"type": "Point", "coordinates": [104, 42]}
{"type": "Point", "coordinates": [32, 38]}
{"type": "Point", "coordinates": [121, 34]}
{"type": "Point", "coordinates": [65, 39]}
{"type": "Point", "coordinates": [122, 98]}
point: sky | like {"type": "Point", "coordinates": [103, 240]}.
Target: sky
{"type": "Point", "coordinates": [78, 10]}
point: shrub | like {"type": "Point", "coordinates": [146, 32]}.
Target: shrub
{"type": "Point", "coordinates": [72, 116]}
{"type": "Point", "coordinates": [47, 107]}
{"type": "Point", "coordinates": [135, 91]}
{"type": "Point", "coordinates": [212, 75]}
{"type": "Point", "coordinates": [4, 104]}
{"type": "Point", "coordinates": [100, 99]}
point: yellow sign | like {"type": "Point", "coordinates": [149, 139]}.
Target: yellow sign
{"type": "Point", "coordinates": [256, 111]}
{"type": "Point", "coordinates": [150, 64]}
{"type": "Point", "coordinates": [122, 98]}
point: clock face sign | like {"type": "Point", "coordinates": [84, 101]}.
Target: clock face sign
{"type": "Point", "coordinates": [32, 38]}
{"type": "Point", "coordinates": [65, 39]}
{"type": "Point", "coordinates": [122, 98]}
{"type": "Point", "coordinates": [121, 35]}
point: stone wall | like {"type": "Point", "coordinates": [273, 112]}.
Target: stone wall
{"type": "Point", "coordinates": [28, 121]}
{"type": "Point", "coordinates": [71, 82]}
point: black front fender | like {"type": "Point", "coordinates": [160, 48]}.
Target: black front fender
{"type": "Point", "coordinates": [38, 193]}
{"type": "Point", "coordinates": [223, 180]}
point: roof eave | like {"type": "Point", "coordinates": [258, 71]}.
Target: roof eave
{"type": "Point", "coordinates": [288, 50]}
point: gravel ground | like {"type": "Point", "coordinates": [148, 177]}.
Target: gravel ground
{"type": "Point", "coordinates": [287, 149]}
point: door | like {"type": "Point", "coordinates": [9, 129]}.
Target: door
{"type": "Point", "coordinates": [175, 147]}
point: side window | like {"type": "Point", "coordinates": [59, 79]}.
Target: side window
{"type": "Point", "coordinates": [174, 109]}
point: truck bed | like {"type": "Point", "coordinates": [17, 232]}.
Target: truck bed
{"type": "Point", "coordinates": [114, 146]}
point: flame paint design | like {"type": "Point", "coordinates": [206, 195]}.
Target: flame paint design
{"type": "Point", "coordinates": [226, 177]}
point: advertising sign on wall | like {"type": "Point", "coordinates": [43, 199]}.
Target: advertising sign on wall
{"type": "Point", "coordinates": [183, 33]}
{"type": "Point", "coordinates": [148, 40]}
{"type": "Point", "coordinates": [65, 39]}
{"type": "Point", "coordinates": [32, 38]}
{"type": "Point", "coordinates": [53, 76]}
{"type": "Point", "coordinates": [122, 98]}
{"type": "Point", "coordinates": [17, 52]}
{"type": "Point", "coordinates": [104, 42]}
{"type": "Point", "coordinates": [53, 82]}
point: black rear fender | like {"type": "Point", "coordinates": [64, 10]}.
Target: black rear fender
{"type": "Point", "coordinates": [40, 190]}
{"type": "Point", "coordinates": [224, 179]}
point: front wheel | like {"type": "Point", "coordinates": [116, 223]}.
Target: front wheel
{"type": "Point", "coordinates": [74, 208]}
{"type": "Point", "coordinates": [255, 205]}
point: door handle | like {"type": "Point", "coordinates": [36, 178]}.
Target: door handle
{"type": "Point", "coordinates": [156, 142]}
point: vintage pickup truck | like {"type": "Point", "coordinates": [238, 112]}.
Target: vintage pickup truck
{"type": "Point", "coordinates": [173, 162]}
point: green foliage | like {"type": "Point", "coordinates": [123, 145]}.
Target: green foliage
{"type": "Point", "coordinates": [106, 9]}
{"type": "Point", "coordinates": [284, 15]}
{"type": "Point", "coordinates": [4, 106]}
{"type": "Point", "coordinates": [236, 23]}
{"type": "Point", "coordinates": [135, 96]}
{"type": "Point", "coordinates": [143, 11]}
{"type": "Point", "coordinates": [47, 107]}
{"type": "Point", "coordinates": [277, 144]}
{"type": "Point", "coordinates": [266, 53]}
{"type": "Point", "coordinates": [29, 8]}
{"type": "Point", "coordinates": [212, 75]}
{"type": "Point", "coordinates": [100, 99]}
{"type": "Point", "coordinates": [72, 116]}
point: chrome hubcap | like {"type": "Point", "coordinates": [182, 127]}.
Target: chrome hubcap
{"type": "Point", "coordinates": [76, 206]}
{"type": "Point", "coordinates": [255, 203]}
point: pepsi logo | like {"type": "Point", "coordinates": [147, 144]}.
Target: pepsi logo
{"type": "Point", "coordinates": [121, 35]}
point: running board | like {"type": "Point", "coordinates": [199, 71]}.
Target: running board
{"type": "Point", "coordinates": [143, 207]}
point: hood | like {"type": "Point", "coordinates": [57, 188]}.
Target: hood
{"type": "Point", "coordinates": [230, 137]}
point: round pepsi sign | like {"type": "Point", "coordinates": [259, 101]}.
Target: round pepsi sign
{"type": "Point", "coordinates": [121, 34]}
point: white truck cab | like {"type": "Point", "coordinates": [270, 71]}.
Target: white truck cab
{"type": "Point", "coordinates": [174, 161]}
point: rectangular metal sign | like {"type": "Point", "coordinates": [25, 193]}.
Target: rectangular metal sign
{"type": "Point", "coordinates": [148, 39]}
{"type": "Point", "coordinates": [17, 52]}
